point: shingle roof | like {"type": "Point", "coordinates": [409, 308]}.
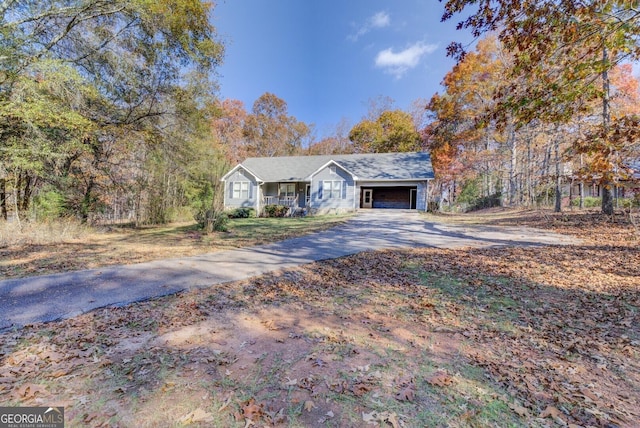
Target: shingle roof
{"type": "Point", "coordinates": [370, 166]}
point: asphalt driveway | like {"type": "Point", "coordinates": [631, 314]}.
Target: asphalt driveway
{"type": "Point", "coordinates": [51, 297]}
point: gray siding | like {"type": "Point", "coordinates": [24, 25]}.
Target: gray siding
{"type": "Point", "coordinates": [240, 176]}
{"type": "Point", "coordinates": [321, 202]}
{"type": "Point", "coordinates": [421, 202]}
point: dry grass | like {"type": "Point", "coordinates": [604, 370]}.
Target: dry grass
{"type": "Point", "coordinates": [42, 233]}
{"type": "Point", "coordinates": [42, 248]}
{"type": "Point", "coordinates": [536, 336]}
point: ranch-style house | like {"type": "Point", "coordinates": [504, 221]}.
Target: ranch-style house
{"type": "Point", "coordinates": [331, 183]}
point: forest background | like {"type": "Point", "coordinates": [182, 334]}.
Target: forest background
{"type": "Point", "coordinates": [109, 112]}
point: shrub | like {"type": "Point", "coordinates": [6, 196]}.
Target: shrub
{"type": "Point", "coordinates": [243, 212]}
{"type": "Point", "coordinates": [471, 199]}
{"type": "Point", "coordinates": [212, 220]}
{"type": "Point", "coordinates": [274, 210]}
{"type": "Point", "coordinates": [588, 202]}
{"type": "Point", "coordinates": [49, 205]}
{"type": "Point", "coordinates": [630, 202]}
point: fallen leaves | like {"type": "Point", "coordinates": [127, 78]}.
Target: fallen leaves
{"type": "Point", "coordinates": [29, 391]}
{"type": "Point", "coordinates": [440, 378]}
{"type": "Point", "coordinates": [252, 411]}
{"type": "Point", "coordinates": [407, 392]}
{"type": "Point", "coordinates": [381, 418]}
{"type": "Point", "coordinates": [309, 405]}
{"type": "Point", "coordinates": [196, 416]}
{"type": "Point", "coordinates": [549, 332]}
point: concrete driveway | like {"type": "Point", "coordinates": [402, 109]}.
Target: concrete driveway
{"type": "Point", "coordinates": [51, 297]}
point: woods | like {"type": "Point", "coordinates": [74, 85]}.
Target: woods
{"type": "Point", "coordinates": [104, 107]}
{"type": "Point", "coordinates": [559, 76]}
{"type": "Point", "coordinates": [487, 144]}
{"type": "Point", "coordinates": [109, 111]}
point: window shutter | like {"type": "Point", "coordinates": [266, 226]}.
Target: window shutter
{"type": "Point", "coordinates": [320, 189]}
{"type": "Point", "coordinates": [251, 190]}
{"type": "Point", "coordinates": [230, 183]}
{"type": "Point", "coordinates": [344, 189]}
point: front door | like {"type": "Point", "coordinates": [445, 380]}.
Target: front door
{"type": "Point", "coordinates": [367, 198]}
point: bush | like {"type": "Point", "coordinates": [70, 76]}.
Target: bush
{"type": "Point", "coordinates": [274, 210]}
{"type": "Point", "coordinates": [588, 202]}
{"type": "Point", "coordinates": [629, 202]}
{"type": "Point", "coordinates": [242, 212]}
{"type": "Point", "coordinates": [433, 207]}
{"type": "Point", "coordinates": [212, 220]}
{"type": "Point", "coordinates": [48, 205]}
{"type": "Point", "coordinates": [471, 199]}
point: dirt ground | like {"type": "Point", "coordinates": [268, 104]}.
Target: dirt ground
{"type": "Point", "coordinates": [535, 336]}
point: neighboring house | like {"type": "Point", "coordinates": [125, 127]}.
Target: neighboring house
{"type": "Point", "coordinates": [626, 186]}
{"type": "Point", "coordinates": [635, 170]}
{"type": "Point", "coordinates": [331, 183]}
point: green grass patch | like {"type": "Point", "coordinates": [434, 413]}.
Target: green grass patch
{"type": "Point", "coordinates": [276, 229]}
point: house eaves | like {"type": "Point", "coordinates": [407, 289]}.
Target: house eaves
{"type": "Point", "coordinates": [241, 166]}
{"type": "Point", "coordinates": [310, 176]}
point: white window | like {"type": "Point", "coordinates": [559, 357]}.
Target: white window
{"type": "Point", "coordinates": [331, 189]}
{"type": "Point", "coordinates": [241, 190]}
{"type": "Point", "coordinates": [287, 190]}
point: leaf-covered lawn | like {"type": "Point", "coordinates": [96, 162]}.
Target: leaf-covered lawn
{"type": "Point", "coordinates": [65, 246]}
{"type": "Point", "coordinates": [535, 336]}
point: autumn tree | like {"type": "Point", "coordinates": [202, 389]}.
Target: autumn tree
{"type": "Point", "coordinates": [270, 131]}
{"type": "Point", "coordinates": [392, 131]}
{"type": "Point", "coordinates": [463, 127]}
{"type": "Point", "coordinates": [584, 41]}
{"type": "Point", "coordinates": [228, 125]}
{"type": "Point", "coordinates": [125, 67]}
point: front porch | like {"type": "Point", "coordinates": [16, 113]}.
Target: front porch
{"type": "Point", "coordinates": [293, 194]}
{"type": "Point", "coordinates": [287, 201]}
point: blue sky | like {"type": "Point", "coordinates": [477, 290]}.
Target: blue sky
{"type": "Point", "coordinates": [328, 58]}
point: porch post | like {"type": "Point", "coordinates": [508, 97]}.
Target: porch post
{"type": "Point", "coordinates": [356, 198]}
{"type": "Point", "coordinates": [258, 198]}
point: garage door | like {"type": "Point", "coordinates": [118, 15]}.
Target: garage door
{"type": "Point", "coordinates": [393, 197]}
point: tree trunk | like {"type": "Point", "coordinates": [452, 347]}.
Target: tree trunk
{"type": "Point", "coordinates": [16, 180]}
{"type": "Point", "coordinates": [513, 165]}
{"type": "Point", "coordinates": [530, 196]}
{"type": "Point", "coordinates": [3, 198]}
{"type": "Point", "coordinates": [607, 184]}
{"type": "Point", "coordinates": [29, 184]}
{"type": "Point", "coordinates": [87, 202]}
{"type": "Point", "coordinates": [558, 184]}
{"type": "Point", "coordinates": [581, 185]}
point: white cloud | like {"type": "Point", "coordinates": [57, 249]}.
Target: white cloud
{"type": "Point", "coordinates": [398, 63]}
{"type": "Point", "coordinates": [378, 20]}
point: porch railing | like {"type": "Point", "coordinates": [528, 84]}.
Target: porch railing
{"type": "Point", "coordinates": [287, 201]}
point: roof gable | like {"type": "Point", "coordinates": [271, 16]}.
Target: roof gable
{"type": "Point", "coordinates": [328, 164]}
{"type": "Point", "coordinates": [241, 167]}
{"type": "Point", "coordinates": [369, 166]}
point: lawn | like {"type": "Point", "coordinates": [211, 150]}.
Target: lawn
{"type": "Point", "coordinates": [66, 245]}
{"type": "Point", "coordinates": [514, 336]}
